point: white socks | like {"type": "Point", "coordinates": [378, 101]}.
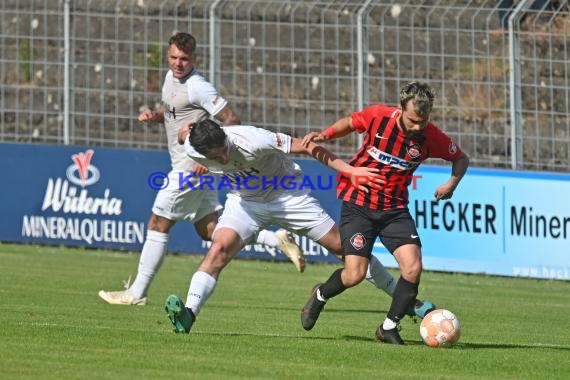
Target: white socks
{"type": "Point", "coordinates": [378, 275]}
{"type": "Point", "coordinates": [152, 255]}
{"type": "Point", "coordinates": [389, 324]}
{"type": "Point", "coordinates": [201, 288]}
{"type": "Point", "coordinates": [268, 238]}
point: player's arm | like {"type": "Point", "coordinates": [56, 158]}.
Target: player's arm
{"type": "Point", "coordinates": [152, 115]}
{"type": "Point", "coordinates": [458, 170]}
{"type": "Point", "coordinates": [227, 116]}
{"type": "Point", "coordinates": [203, 93]}
{"type": "Point", "coordinates": [183, 133]}
{"type": "Point", "coordinates": [339, 129]}
{"type": "Point", "coordinates": [360, 177]}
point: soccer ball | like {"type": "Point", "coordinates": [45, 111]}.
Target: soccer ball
{"type": "Point", "coordinates": [440, 328]}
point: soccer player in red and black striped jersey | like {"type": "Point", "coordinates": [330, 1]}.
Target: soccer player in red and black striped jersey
{"type": "Point", "coordinates": [396, 141]}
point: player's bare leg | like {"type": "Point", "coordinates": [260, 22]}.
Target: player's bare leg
{"type": "Point", "coordinates": [227, 243]}
{"type": "Point", "coordinates": [375, 273]}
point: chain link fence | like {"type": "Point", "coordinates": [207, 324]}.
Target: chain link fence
{"type": "Point", "coordinates": [79, 72]}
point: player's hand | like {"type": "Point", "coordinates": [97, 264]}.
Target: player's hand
{"type": "Point", "coordinates": [183, 132]}
{"type": "Point", "coordinates": [444, 191]}
{"type": "Point", "coordinates": [364, 179]}
{"type": "Point", "coordinates": [313, 137]}
{"type": "Point", "coordinates": [147, 115]}
{"type": "Point", "coordinates": [200, 169]}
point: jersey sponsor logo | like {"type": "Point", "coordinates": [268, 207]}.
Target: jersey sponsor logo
{"type": "Point", "coordinates": [452, 148]}
{"type": "Point", "coordinates": [357, 240]}
{"type": "Point", "coordinates": [81, 172]}
{"type": "Point", "coordinates": [216, 100]}
{"type": "Point", "coordinates": [415, 150]}
{"type": "Point", "coordinates": [388, 159]}
{"type": "Point", "coordinates": [279, 141]}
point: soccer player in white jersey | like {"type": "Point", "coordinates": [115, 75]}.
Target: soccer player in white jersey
{"type": "Point", "coordinates": [254, 161]}
{"type": "Point", "coordinates": [186, 97]}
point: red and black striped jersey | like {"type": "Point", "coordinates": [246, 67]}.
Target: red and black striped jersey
{"type": "Point", "coordinates": [395, 154]}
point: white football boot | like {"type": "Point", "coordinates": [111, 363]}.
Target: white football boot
{"type": "Point", "coordinates": [289, 247]}
{"type": "Point", "coordinates": [121, 298]}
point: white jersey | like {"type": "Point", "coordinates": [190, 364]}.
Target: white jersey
{"type": "Point", "coordinates": [258, 169]}
{"type": "Point", "coordinates": [186, 100]}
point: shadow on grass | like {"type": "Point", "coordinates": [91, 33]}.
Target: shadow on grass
{"type": "Point", "coordinates": [365, 311]}
{"type": "Point", "coordinates": [327, 309]}
{"type": "Point", "coordinates": [471, 346]}
{"type": "Point", "coordinates": [458, 346]}
{"type": "Point", "coordinates": [477, 346]}
{"type": "Point", "coordinates": [414, 343]}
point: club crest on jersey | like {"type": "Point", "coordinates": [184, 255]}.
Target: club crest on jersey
{"type": "Point", "coordinates": [81, 172]}
{"type": "Point", "coordinates": [357, 240]}
{"type": "Point", "coordinates": [415, 150]}
{"type": "Point", "coordinates": [452, 148]}
{"type": "Point", "coordinates": [388, 159]}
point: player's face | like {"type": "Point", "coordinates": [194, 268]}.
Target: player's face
{"type": "Point", "coordinates": [220, 155]}
{"type": "Point", "coordinates": [179, 62]}
{"type": "Point", "coordinates": [411, 122]}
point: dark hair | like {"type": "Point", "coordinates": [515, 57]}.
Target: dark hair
{"type": "Point", "coordinates": [420, 94]}
{"type": "Point", "coordinates": [207, 135]}
{"type": "Point", "coordinates": [183, 41]}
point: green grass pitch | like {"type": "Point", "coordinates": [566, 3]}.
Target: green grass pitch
{"type": "Point", "coordinates": [54, 326]}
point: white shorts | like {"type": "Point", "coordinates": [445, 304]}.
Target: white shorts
{"type": "Point", "coordinates": [186, 204]}
{"type": "Point", "coordinates": [295, 211]}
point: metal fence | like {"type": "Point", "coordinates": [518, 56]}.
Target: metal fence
{"type": "Point", "coordinates": [79, 71]}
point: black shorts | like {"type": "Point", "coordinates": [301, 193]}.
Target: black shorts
{"type": "Point", "coordinates": [360, 226]}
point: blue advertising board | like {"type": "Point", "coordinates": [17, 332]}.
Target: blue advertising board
{"type": "Point", "coordinates": [76, 196]}
{"type": "Point", "coordinates": [101, 198]}
{"type": "Point", "coordinates": [498, 222]}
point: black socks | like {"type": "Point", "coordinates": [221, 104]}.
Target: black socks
{"type": "Point", "coordinates": [333, 286]}
{"type": "Point", "coordinates": [404, 297]}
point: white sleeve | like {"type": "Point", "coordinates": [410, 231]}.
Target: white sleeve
{"type": "Point", "coordinates": [266, 141]}
{"type": "Point", "coordinates": [204, 94]}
